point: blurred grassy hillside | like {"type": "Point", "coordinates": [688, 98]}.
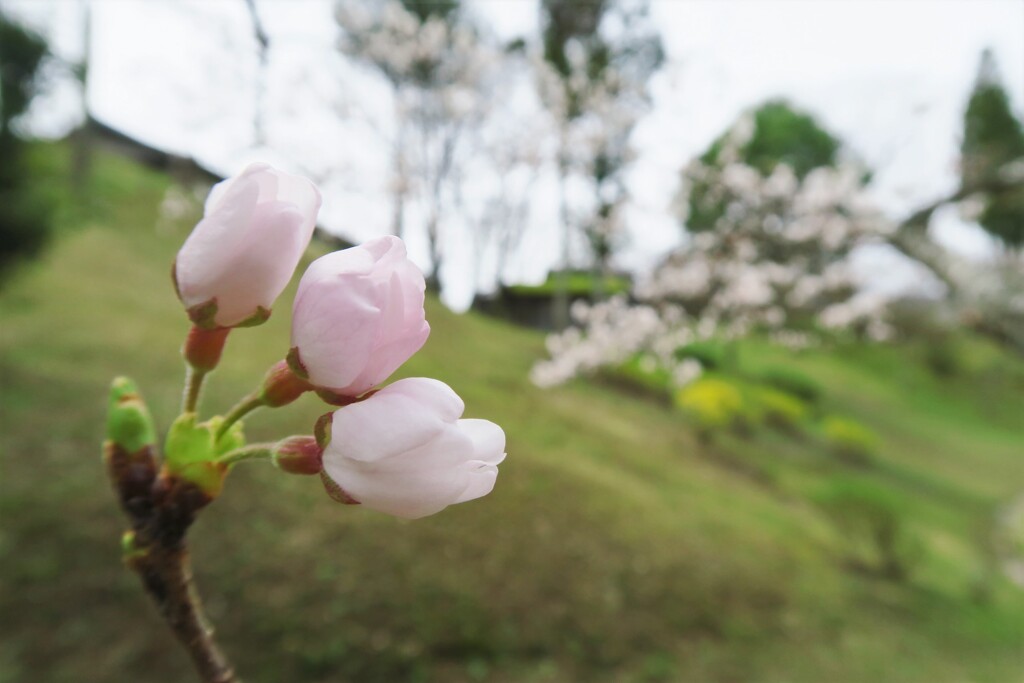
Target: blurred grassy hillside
{"type": "Point", "coordinates": [617, 545]}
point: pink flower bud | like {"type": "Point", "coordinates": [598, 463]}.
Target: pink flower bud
{"type": "Point", "coordinates": [243, 252]}
{"type": "Point", "coordinates": [404, 451]}
{"type": "Point", "coordinates": [358, 315]}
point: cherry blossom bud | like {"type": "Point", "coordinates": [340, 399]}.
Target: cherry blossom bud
{"type": "Point", "coordinates": [358, 315]}
{"type": "Point", "coordinates": [129, 452]}
{"type": "Point", "coordinates": [242, 253]}
{"type": "Point", "coordinates": [129, 423]}
{"type": "Point", "coordinates": [281, 386]}
{"type": "Point", "coordinates": [298, 455]}
{"type": "Point", "coordinates": [405, 452]}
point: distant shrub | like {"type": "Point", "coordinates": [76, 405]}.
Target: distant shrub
{"type": "Point", "coordinates": [792, 382]}
{"type": "Point", "coordinates": [25, 221]}
{"type": "Point", "coordinates": [713, 403]}
{"type": "Point", "coordinates": [943, 358]}
{"type": "Point", "coordinates": [640, 374]}
{"type": "Point", "coordinates": [874, 523]}
{"type": "Point", "coordinates": [921, 318]}
{"type": "Point", "coordinates": [711, 355]}
{"type": "Point", "coordinates": [779, 409]}
{"type": "Point", "coordinates": [849, 440]}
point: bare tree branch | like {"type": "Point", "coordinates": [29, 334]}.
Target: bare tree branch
{"type": "Point", "coordinates": [263, 53]}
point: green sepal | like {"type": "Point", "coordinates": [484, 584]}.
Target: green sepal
{"type": "Point", "coordinates": [295, 363]}
{"type": "Point", "coordinates": [129, 424]}
{"type": "Point", "coordinates": [323, 429]}
{"type": "Point", "coordinates": [261, 316]}
{"type": "Point", "coordinates": [174, 280]}
{"type": "Point", "coordinates": [188, 442]}
{"type": "Point", "coordinates": [190, 451]}
{"type": "Point", "coordinates": [203, 315]}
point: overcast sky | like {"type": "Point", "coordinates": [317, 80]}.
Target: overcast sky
{"type": "Point", "coordinates": [890, 77]}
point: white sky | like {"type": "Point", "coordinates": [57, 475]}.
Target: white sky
{"type": "Point", "coordinates": [891, 77]}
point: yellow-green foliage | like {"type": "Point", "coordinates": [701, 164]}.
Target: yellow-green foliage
{"type": "Point", "coordinates": [780, 409]}
{"type": "Point", "coordinates": [849, 439]}
{"type": "Point", "coordinates": [712, 402]}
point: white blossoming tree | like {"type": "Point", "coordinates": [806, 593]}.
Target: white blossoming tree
{"type": "Point", "coordinates": [770, 249]}
{"type": "Point", "coordinates": [443, 76]}
{"type": "Point", "coordinates": [597, 60]}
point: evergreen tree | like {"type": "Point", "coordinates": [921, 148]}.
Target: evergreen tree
{"type": "Point", "coordinates": [774, 133]}
{"type": "Point", "coordinates": [993, 137]}
{"type": "Point", "coordinates": [24, 220]}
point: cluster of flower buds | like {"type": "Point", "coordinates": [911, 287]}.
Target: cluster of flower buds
{"type": "Point", "coordinates": [358, 315]}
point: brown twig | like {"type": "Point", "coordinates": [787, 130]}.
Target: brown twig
{"type": "Point", "coordinates": [167, 576]}
{"type": "Point", "coordinates": [161, 508]}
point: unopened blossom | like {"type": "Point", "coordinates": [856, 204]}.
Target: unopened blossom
{"type": "Point", "coordinates": [405, 451]}
{"type": "Point", "coordinates": [242, 253]}
{"type": "Point", "coordinates": [358, 315]}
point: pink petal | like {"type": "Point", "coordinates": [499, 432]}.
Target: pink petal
{"type": "Point", "coordinates": [260, 269]}
{"type": "Point", "coordinates": [482, 478]}
{"type": "Point", "coordinates": [430, 393]}
{"type": "Point", "coordinates": [488, 440]}
{"type": "Point", "coordinates": [335, 325]}
{"type": "Point", "coordinates": [413, 484]}
{"type": "Point", "coordinates": [381, 426]}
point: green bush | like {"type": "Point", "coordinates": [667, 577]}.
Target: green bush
{"type": "Point", "coordinates": [792, 382]}
{"type": "Point", "coordinates": [640, 374]}
{"type": "Point", "coordinates": [779, 409]}
{"type": "Point", "coordinates": [711, 355]}
{"type": "Point", "coordinates": [713, 403]}
{"type": "Point", "coordinates": [873, 522]}
{"type": "Point", "coordinates": [849, 440]}
{"type": "Point", "coordinates": [943, 358]}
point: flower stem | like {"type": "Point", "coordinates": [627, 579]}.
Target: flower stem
{"type": "Point", "coordinates": [240, 410]}
{"type": "Point", "coordinates": [193, 384]}
{"type": "Point", "coordinates": [256, 451]}
{"type": "Point", "coordinates": [202, 351]}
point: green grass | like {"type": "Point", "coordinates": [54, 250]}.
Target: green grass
{"type": "Point", "coordinates": [617, 545]}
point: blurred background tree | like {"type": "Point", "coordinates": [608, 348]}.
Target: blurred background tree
{"type": "Point", "coordinates": [24, 217]}
{"type": "Point", "coordinates": [771, 253]}
{"type": "Point", "coordinates": [780, 134]}
{"type": "Point", "coordinates": [993, 137]}
{"type": "Point", "coordinates": [775, 217]}
{"type": "Point", "coordinates": [439, 68]}
{"type": "Point", "coordinates": [599, 57]}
